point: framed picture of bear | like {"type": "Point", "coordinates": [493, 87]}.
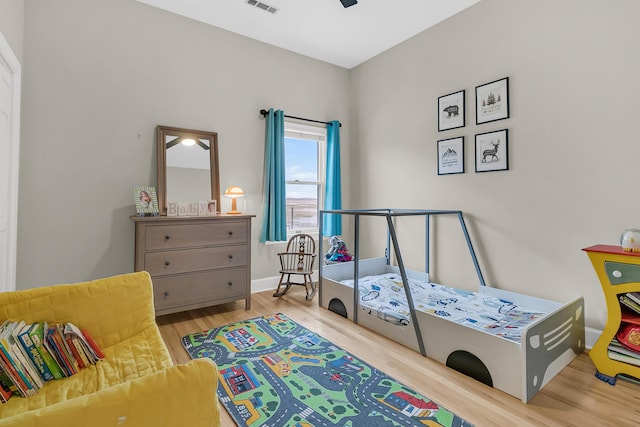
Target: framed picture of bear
{"type": "Point", "coordinates": [451, 111]}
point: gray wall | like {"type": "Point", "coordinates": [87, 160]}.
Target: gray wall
{"type": "Point", "coordinates": [12, 25]}
{"type": "Point", "coordinates": [574, 149]}
{"type": "Point", "coordinates": [98, 77]}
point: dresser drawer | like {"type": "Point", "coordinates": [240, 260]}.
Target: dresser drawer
{"type": "Point", "coordinates": [187, 260]}
{"type": "Point", "coordinates": [189, 235]}
{"type": "Point", "coordinates": [620, 272]}
{"type": "Point", "coordinates": [199, 288]}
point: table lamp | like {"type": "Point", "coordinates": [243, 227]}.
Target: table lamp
{"type": "Point", "coordinates": [234, 192]}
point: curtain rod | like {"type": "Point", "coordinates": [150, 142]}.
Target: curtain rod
{"type": "Point", "coordinates": [265, 112]}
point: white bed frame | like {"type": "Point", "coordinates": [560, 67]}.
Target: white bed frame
{"type": "Point", "coordinates": [548, 344]}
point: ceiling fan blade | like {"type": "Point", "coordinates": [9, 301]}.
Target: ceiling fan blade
{"type": "Point", "coordinates": [173, 142]}
{"type": "Point", "coordinates": [202, 144]}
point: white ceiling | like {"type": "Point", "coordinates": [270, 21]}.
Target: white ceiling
{"type": "Point", "coordinates": [322, 29]}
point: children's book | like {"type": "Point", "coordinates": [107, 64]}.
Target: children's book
{"type": "Point", "coordinates": [36, 334]}
{"type": "Point", "coordinates": [635, 296]}
{"type": "Point", "coordinates": [7, 387]}
{"type": "Point", "coordinates": [59, 336]}
{"type": "Point", "coordinates": [629, 303]}
{"type": "Point", "coordinates": [53, 343]}
{"type": "Point", "coordinates": [15, 370]}
{"type": "Point", "coordinates": [613, 355]}
{"type": "Point", "coordinates": [84, 346]}
{"type": "Point", "coordinates": [23, 358]}
{"type": "Point", "coordinates": [615, 346]}
{"type": "Point", "coordinates": [32, 351]}
{"type": "Point", "coordinates": [92, 344]}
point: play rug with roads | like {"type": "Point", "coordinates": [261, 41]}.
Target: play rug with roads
{"type": "Point", "coordinates": [274, 372]}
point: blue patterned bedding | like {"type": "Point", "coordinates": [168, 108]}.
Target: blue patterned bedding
{"type": "Point", "coordinates": [383, 296]}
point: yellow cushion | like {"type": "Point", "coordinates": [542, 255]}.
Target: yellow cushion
{"type": "Point", "coordinates": [136, 376]}
{"type": "Point", "coordinates": [183, 395]}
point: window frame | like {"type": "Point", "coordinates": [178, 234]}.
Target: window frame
{"type": "Point", "coordinates": [314, 133]}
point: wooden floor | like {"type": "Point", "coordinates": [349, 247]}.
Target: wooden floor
{"type": "Point", "coordinates": [573, 398]}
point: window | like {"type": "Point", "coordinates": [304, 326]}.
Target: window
{"type": "Point", "coordinates": [304, 153]}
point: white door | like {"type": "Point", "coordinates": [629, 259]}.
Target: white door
{"type": "Point", "coordinates": [9, 143]}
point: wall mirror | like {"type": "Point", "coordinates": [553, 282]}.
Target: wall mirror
{"type": "Point", "coordinates": [187, 166]}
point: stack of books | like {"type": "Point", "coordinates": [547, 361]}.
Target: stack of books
{"type": "Point", "coordinates": [631, 301]}
{"type": "Point", "coordinates": [33, 354]}
{"type": "Point", "coordinates": [622, 348]}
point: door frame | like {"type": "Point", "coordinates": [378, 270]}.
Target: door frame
{"type": "Point", "coordinates": [7, 57]}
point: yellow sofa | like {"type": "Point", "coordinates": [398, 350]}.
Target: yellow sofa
{"type": "Point", "coordinates": [136, 384]}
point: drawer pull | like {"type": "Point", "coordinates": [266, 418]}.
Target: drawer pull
{"type": "Point", "coordinates": [167, 263]}
{"type": "Point", "coordinates": [167, 237]}
{"type": "Point", "coordinates": [230, 257]}
{"type": "Point", "coordinates": [616, 273]}
{"type": "Point", "coordinates": [230, 283]}
{"type": "Point", "coordinates": [166, 293]}
{"type": "Point", "coordinates": [230, 233]}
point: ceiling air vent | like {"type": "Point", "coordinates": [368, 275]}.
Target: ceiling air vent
{"type": "Point", "coordinates": [262, 5]}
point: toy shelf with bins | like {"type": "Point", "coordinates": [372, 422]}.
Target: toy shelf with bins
{"type": "Point", "coordinates": [619, 273]}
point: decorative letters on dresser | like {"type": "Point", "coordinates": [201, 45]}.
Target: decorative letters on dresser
{"type": "Point", "coordinates": [195, 261]}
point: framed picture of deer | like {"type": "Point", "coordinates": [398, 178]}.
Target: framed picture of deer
{"type": "Point", "coordinates": [451, 156]}
{"type": "Point", "coordinates": [451, 111]}
{"type": "Point", "coordinates": [492, 151]}
{"type": "Point", "coordinates": [492, 101]}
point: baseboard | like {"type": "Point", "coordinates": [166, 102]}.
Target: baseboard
{"type": "Point", "coordinates": [591, 335]}
{"type": "Point", "coordinates": [266, 284]}
{"type": "Point", "coordinates": [270, 283]}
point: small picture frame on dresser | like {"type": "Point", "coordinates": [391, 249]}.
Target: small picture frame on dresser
{"type": "Point", "coordinates": [145, 200]}
{"type": "Point", "coordinates": [172, 209]}
{"type": "Point", "coordinates": [212, 207]}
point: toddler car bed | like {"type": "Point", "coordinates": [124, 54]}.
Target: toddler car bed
{"type": "Point", "coordinates": [511, 341]}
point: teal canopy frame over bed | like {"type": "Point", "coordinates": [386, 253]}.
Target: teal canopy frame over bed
{"type": "Point", "coordinates": [546, 346]}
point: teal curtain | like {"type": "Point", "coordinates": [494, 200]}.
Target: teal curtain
{"type": "Point", "coordinates": [332, 223]}
{"type": "Point", "coordinates": [274, 220]}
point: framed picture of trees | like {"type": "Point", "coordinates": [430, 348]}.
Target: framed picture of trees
{"type": "Point", "coordinates": [492, 101]}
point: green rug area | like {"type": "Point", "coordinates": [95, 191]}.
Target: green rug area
{"type": "Point", "coordinates": [274, 372]}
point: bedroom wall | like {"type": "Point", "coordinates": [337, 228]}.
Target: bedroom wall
{"type": "Point", "coordinates": [574, 149]}
{"type": "Point", "coordinates": [98, 77]}
{"type": "Point", "coordinates": [12, 25]}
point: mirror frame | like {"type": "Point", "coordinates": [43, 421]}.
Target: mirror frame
{"type": "Point", "coordinates": [161, 133]}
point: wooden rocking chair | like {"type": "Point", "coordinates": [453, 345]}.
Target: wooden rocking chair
{"type": "Point", "coordinates": [298, 259]}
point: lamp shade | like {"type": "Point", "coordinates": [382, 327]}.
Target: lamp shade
{"type": "Point", "coordinates": [234, 192]}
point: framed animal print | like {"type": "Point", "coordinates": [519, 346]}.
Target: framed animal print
{"type": "Point", "coordinates": [451, 111]}
{"type": "Point", "coordinates": [492, 151]}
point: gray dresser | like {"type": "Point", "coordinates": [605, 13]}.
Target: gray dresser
{"type": "Point", "coordinates": [195, 261]}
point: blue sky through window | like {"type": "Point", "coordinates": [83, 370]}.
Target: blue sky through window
{"type": "Point", "coordinates": [301, 164]}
